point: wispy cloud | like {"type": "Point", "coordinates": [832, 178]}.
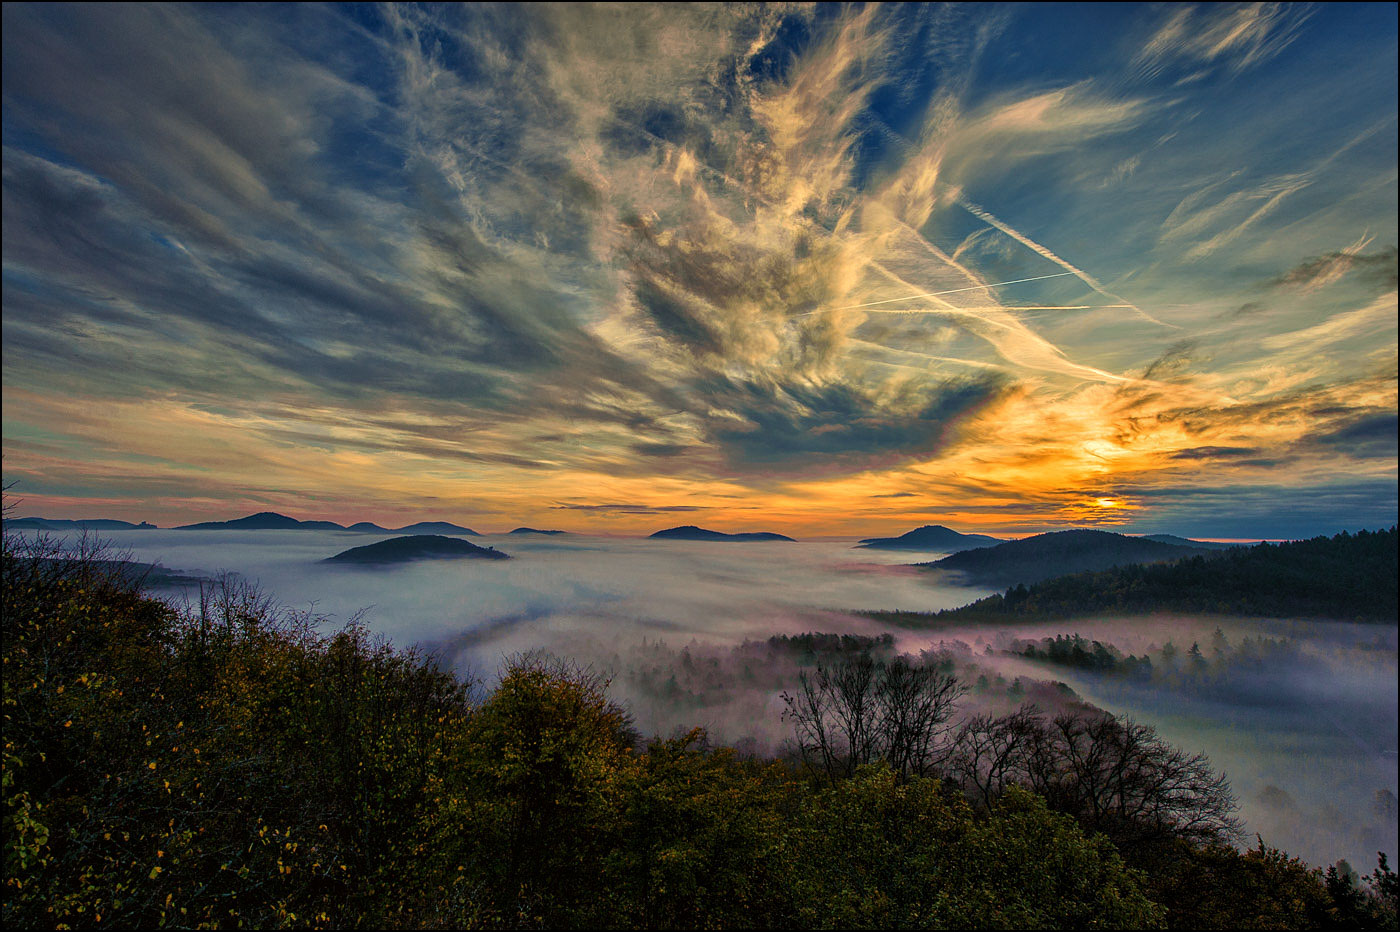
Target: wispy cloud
{"type": "Point", "coordinates": [491, 254]}
{"type": "Point", "coordinates": [1237, 36]}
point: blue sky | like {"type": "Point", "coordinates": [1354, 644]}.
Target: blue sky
{"type": "Point", "coordinates": [582, 265]}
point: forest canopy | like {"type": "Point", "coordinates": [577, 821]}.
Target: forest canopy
{"type": "Point", "coordinates": [228, 764]}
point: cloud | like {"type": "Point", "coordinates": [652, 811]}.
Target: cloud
{"type": "Point", "coordinates": [1364, 321]}
{"type": "Point", "coordinates": [626, 508]}
{"type": "Point", "coordinates": [1214, 453]}
{"type": "Point", "coordinates": [1376, 270]}
{"type": "Point", "coordinates": [821, 427]}
{"type": "Point", "coordinates": [1237, 36]}
{"type": "Point", "coordinates": [1372, 435]}
{"type": "Point", "coordinates": [497, 252]}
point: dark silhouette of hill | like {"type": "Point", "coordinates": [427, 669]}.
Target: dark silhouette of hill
{"type": "Point", "coordinates": [531, 530]}
{"type": "Point", "coordinates": [416, 547]}
{"type": "Point", "coordinates": [691, 532]}
{"type": "Point", "coordinates": [1055, 554]}
{"type": "Point", "coordinates": [262, 521]}
{"type": "Point", "coordinates": [64, 524]}
{"type": "Point", "coordinates": [932, 537]}
{"type": "Point", "coordinates": [436, 527]}
{"type": "Point", "coordinates": [272, 521]}
{"type": "Point", "coordinates": [1345, 577]}
{"type": "Point", "coordinates": [1187, 542]}
{"type": "Point", "coordinates": [130, 572]}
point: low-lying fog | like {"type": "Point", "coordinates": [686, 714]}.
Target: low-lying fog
{"type": "Point", "coordinates": [1300, 715]}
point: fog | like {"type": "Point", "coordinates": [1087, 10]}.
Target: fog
{"type": "Point", "coordinates": [1300, 715]}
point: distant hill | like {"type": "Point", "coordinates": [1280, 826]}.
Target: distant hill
{"type": "Point", "coordinates": [150, 575]}
{"type": "Point", "coordinates": [691, 532]}
{"type": "Point", "coordinates": [932, 537]}
{"type": "Point", "coordinates": [531, 530]}
{"type": "Point", "coordinates": [416, 547]}
{"type": "Point", "coordinates": [64, 524]}
{"type": "Point", "coordinates": [436, 527]}
{"type": "Point", "coordinates": [263, 521]}
{"type": "Point", "coordinates": [1055, 554]}
{"type": "Point", "coordinates": [1187, 542]}
{"type": "Point", "coordinates": [272, 521]}
{"type": "Point", "coordinates": [1345, 577]}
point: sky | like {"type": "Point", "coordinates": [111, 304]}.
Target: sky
{"type": "Point", "coordinates": [831, 270]}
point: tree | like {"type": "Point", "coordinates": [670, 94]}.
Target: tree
{"type": "Point", "coordinates": [878, 852]}
{"type": "Point", "coordinates": [538, 790]}
{"type": "Point", "coordinates": [1113, 775]}
{"type": "Point", "coordinates": [858, 711]}
{"type": "Point", "coordinates": [989, 752]}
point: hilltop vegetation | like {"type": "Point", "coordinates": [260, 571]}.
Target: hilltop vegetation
{"type": "Point", "coordinates": [691, 532]}
{"type": "Point", "coordinates": [63, 524]}
{"type": "Point", "coordinates": [1345, 577]}
{"type": "Point", "coordinates": [228, 765]}
{"type": "Point", "coordinates": [416, 547]}
{"type": "Point", "coordinates": [272, 521]}
{"type": "Point", "coordinates": [933, 537]}
{"type": "Point", "coordinates": [1057, 553]}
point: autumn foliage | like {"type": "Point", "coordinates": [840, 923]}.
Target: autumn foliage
{"type": "Point", "coordinates": [228, 764]}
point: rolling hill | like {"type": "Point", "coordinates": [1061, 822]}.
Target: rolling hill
{"type": "Point", "coordinates": [416, 547]}
{"type": "Point", "coordinates": [1055, 554]}
{"type": "Point", "coordinates": [932, 538]}
{"type": "Point", "coordinates": [1344, 577]}
{"type": "Point", "coordinates": [86, 524]}
{"type": "Point", "coordinates": [691, 532]}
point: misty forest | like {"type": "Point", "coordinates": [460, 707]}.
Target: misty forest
{"type": "Point", "coordinates": [182, 749]}
{"type": "Point", "coordinates": [593, 465]}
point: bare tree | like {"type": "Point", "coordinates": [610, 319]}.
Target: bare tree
{"type": "Point", "coordinates": [1134, 787]}
{"type": "Point", "coordinates": [915, 703]}
{"type": "Point", "coordinates": [864, 710]}
{"type": "Point", "coordinates": [1113, 775]}
{"type": "Point", "coordinates": [991, 752]}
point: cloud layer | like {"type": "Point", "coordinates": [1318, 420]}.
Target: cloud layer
{"type": "Point", "coordinates": [476, 259]}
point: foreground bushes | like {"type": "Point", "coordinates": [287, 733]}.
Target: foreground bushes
{"type": "Point", "coordinates": [227, 766]}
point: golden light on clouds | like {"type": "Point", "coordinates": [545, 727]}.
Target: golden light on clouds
{"type": "Point", "coordinates": [815, 270]}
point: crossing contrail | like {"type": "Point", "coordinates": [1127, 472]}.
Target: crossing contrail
{"type": "Point", "coordinates": [935, 294]}
{"type": "Point", "coordinates": [1041, 251]}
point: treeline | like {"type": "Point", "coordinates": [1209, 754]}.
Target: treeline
{"type": "Point", "coordinates": [1077, 651]}
{"type": "Point", "coordinates": [226, 766]}
{"type": "Point", "coordinates": [812, 647]}
{"type": "Point", "coordinates": [1345, 577]}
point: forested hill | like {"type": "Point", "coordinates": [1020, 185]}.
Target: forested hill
{"type": "Point", "coordinates": [1054, 554]}
{"type": "Point", "coordinates": [1346, 577]}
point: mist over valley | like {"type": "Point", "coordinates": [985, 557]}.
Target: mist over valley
{"type": "Point", "coordinates": [1299, 713]}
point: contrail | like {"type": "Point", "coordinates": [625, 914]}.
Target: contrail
{"type": "Point", "coordinates": [935, 294]}
{"type": "Point", "coordinates": [1040, 250]}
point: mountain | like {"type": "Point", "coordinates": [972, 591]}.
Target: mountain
{"type": "Point", "coordinates": [1345, 577]}
{"type": "Point", "coordinates": [1186, 542]}
{"type": "Point", "coordinates": [64, 524]}
{"type": "Point", "coordinates": [271, 521]}
{"type": "Point", "coordinates": [436, 527]}
{"type": "Point", "coordinates": [416, 547]}
{"type": "Point", "coordinates": [691, 532]}
{"type": "Point", "coordinates": [530, 530]}
{"type": "Point", "coordinates": [932, 537]}
{"type": "Point", "coordinates": [263, 521]}
{"type": "Point", "coordinates": [1056, 554]}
